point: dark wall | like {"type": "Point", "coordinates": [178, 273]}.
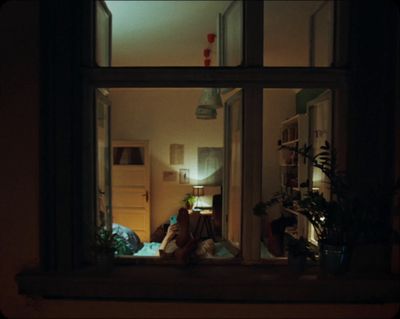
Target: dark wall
{"type": "Point", "coordinates": [19, 175]}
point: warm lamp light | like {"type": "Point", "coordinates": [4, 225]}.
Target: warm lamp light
{"type": "Point", "coordinates": [198, 190]}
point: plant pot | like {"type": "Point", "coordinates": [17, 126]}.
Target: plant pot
{"type": "Point", "coordinates": [297, 264]}
{"type": "Point", "coordinates": [105, 261]}
{"type": "Point", "coordinates": [334, 259]}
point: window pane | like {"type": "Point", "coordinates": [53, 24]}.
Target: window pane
{"type": "Point", "coordinates": [292, 118]}
{"type": "Point", "coordinates": [298, 33]}
{"type": "Point", "coordinates": [168, 152]}
{"type": "Point", "coordinates": [103, 34]}
{"type": "Point", "coordinates": [173, 33]}
{"type": "Point", "coordinates": [231, 34]}
{"type": "Point", "coordinates": [103, 159]}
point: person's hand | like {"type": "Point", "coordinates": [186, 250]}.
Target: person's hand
{"type": "Point", "coordinates": [172, 230]}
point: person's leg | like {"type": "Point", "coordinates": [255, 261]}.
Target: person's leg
{"type": "Point", "coordinates": [182, 254]}
{"type": "Point", "coordinates": [184, 235]}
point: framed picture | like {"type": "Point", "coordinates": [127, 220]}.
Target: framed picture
{"type": "Point", "coordinates": [176, 153]}
{"type": "Point", "coordinates": [169, 176]}
{"type": "Point", "coordinates": [184, 177]}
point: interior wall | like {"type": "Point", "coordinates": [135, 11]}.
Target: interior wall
{"type": "Point", "coordinates": [164, 117]}
{"type": "Point", "coordinates": [279, 105]}
{"type": "Point", "coordinates": [287, 32]}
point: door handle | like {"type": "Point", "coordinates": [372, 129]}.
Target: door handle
{"type": "Point", "coordinates": [146, 195]}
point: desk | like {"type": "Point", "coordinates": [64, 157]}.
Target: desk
{"type": "Point", "coordinates": [205, 219]}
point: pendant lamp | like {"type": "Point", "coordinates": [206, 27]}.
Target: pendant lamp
{"type": "Point", "coordinates": [210, 99]}
{"type": "Point", "coordinates": [203, 113]}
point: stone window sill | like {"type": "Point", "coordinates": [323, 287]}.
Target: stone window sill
{"type": "Point", "coordinates": [233, 283]}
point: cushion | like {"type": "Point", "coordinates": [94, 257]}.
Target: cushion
{"type": "Point", "coordinates": [126, 240]}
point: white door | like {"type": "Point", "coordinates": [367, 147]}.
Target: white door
{"type": "Point", "coordinates": [131, 186]}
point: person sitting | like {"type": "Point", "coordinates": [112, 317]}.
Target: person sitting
{"type": "Point", "coordinates": [178, 241]}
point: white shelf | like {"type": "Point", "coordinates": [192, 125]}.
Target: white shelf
{"type": "Point", "coordinates": [290, 120]}
{"type": "Point", "coordinates": [290, 142]}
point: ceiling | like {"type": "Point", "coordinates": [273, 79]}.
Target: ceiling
{"type": "Point", "coordinates": [173, 33]}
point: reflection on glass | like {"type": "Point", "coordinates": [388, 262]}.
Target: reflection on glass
{"type": "Point", "coordinates": [293, 118]}
{"type": "Point", "coordinates": [298, 33]}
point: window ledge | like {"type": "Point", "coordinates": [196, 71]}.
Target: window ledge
{"type": "Point", "coordinates": [210, 283]}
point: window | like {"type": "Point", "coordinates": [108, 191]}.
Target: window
{"type": "Point", "coordinates": [69, 176]}
{"type": "Point", "coordinates": [291, 118]}
{"type": "Point", "coordinates": [250, 75]}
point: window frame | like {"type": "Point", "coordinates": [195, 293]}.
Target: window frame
{"type": "Point", "coordinates": [66, 224]}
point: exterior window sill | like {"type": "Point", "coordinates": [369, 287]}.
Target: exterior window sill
{"type": "Point", "coordinates": [233, 283]}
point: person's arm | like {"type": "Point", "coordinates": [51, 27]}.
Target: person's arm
{"type": "Point", "coordinates": [171, 233]}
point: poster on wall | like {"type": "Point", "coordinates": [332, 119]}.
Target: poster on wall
{"type": "Point", "coordinates": [169, 176]}
{"type": "Point", "coordinates": [210, 165]}
{"type": "Point", "coordinates": [176, 153]}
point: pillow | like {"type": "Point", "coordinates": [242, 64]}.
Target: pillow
{"type": "Point", "coordinates": [126, 241]}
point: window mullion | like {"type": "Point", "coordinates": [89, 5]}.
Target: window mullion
{"type": "Point", "coordinates": [252, 132]}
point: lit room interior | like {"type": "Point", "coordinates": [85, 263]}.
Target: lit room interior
{"type": "Point", "coordinates": [178, 145]}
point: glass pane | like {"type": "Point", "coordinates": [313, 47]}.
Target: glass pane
{"type": "Point", "coordinates": [292, 118]}
{"type": "Point", "coordinates": [128, 156]}
{"type": "Point", "coordinates": [168, 144]}
{"type": "Point", "coordinates": [298, 33]}
{"type": "Point", "coordinates": [103, 159]}
{"type": "Point", "coordinates": [234, 168]}
{"type": "Point", "coordinates": [171, 33]}
{"type": "Point", "coordinates": [231, 34]}
{"type": "Point", "coordinates": [103, 34]}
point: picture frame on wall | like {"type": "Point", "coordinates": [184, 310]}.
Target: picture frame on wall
{"type": "Point", "coordinates": [169, 176]}
{"type": "Point", "coordinates": [184, 177]}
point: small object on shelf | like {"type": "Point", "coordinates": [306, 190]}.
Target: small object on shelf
{"type": "Point", "coordinates": [285, 135]}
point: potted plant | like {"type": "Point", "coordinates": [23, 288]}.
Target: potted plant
{"type": "Point", "coordinates": [104, 248]}
{"type": "Point", "coordinates": [189, 200]}
{"type": "Point", "coordinates": [298, 252]}
{"type": "Point", "coordinates": [331, 219]}
{"type": "Point", "coordinates": [351, 216]}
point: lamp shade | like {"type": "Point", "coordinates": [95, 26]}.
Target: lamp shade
{"type": "Point", "coordinates": [198, 190]}
{"type": "Point", "coordinates": [210, 99]}
{"type": "Point", "coordinates": [203, 113]}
